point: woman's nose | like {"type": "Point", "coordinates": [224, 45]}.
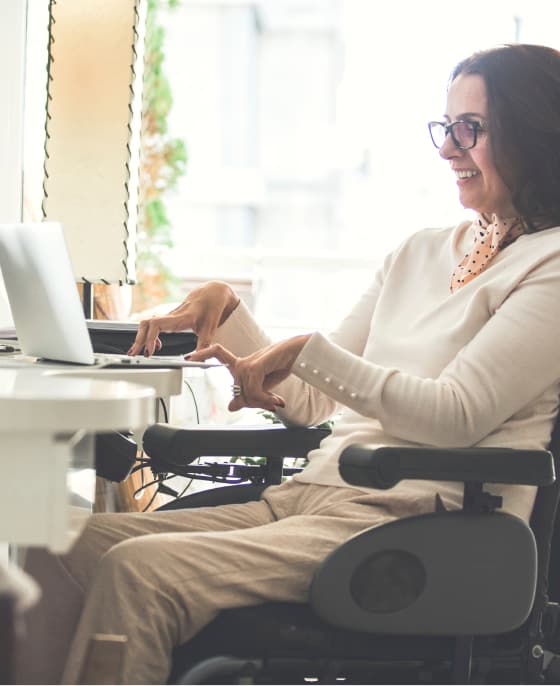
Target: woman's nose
{"type": "Point", "coordinates": [449, 149]}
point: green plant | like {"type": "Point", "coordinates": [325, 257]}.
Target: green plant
{"type": "Point", "coordinates": [163, 162]}
{"type": "Point", "coordinates": [273, 419]}
{"type": "Point", "coordinates": [295, 461]}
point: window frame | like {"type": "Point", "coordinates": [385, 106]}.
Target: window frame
{"type": "Point", "coordinates": [12, 77]}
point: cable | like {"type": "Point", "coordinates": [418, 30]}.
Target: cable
{"type": "Point", "coordinates": [187, 384]}
{"type": "Point", "coordinates": [143, 464]}
{"type": "Point", "coordinates": [141, 473]}
{"type": "Point", "coordinates": [151, 499]}
{"type": "Point", "coordinates": [189, 484]}
{"type": "Point", "coordinates": [138, 492]}
{"type": "Point", "coordinates": [182, 493]}
{"type": "Point", "coordinates": [154, 481]}
{"type": "Point", "coordinates": [164, 408]}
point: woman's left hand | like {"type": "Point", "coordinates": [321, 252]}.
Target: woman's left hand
{"type": "Point", "coordinates": [257, 374]}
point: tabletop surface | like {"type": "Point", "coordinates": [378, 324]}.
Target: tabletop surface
{"type": "Point", "coordinates": [34, 401]}
{"type": "Point", "coordinates": [165, 382]}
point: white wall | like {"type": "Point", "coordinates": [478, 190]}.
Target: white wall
{"type": "Point", "coordinates": [12, 67]}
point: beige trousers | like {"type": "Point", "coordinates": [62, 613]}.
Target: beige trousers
{"type": "Point", "coordinates": [159, 577]}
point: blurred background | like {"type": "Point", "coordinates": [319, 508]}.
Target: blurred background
{"type": "Point", "coordinates": [285, 145]}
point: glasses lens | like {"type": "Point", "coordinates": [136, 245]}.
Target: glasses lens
{"type": "Point", "coordinates": [437, 133]}
{"type": "Point", "coordinates": [464, 133]}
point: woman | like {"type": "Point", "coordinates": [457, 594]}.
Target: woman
{"type": "Point", "coordinates": [454, 344]}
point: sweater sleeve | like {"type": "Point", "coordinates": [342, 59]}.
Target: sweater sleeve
{"type": "Point", "coordinates": [306, 403]}
{"type": "Point", "coordinates": [510, 362]}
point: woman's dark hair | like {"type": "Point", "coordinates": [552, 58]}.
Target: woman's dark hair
{"type": "Point", "coordinates": [523, 91]}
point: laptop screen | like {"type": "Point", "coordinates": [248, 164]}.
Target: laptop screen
{"type": "Point", "coordinates": [42, 293]}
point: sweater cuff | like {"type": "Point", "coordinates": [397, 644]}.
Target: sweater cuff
{"type": "Point", "coordinates": [343, 376]}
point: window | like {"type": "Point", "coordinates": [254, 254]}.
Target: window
{"type": "Point", "coordinates": [305, 125]}
{"type": "Point", "coordinates": [12, 65]}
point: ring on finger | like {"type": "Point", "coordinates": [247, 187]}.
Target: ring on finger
{"type": "Point", "coordinates": [237, 390]}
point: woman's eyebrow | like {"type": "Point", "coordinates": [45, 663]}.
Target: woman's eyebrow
{"type": "Point", "coordinates": [466, 115]}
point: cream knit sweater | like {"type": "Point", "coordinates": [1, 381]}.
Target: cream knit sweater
{"type": "Point", "coordinates": [414, 364]}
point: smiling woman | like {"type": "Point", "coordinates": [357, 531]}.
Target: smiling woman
{"type": "Point", "coordinates": [423, 358]}
{"type": "Point", "coordinates": [481, 187]}
{"type": "Point", "coordinates": [522, 160]}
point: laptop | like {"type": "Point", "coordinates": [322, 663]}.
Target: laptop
{"type": "Point", "coordinates": [45, 303]}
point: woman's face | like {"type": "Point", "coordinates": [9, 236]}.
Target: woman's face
{"type": "Point", "coordinates": [480, 186]}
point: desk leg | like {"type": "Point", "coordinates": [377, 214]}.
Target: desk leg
{"type": "Point", "coordinates": [36, 511]}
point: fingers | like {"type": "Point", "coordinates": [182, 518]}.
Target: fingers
{"type": "Point", "coordinates": [203, 310]}
{"type": "Point", "coordinates": [147, 339]}
{"type": "Point", "coordinates": [138, 343]}
{"type": "Point", "coordinates": [206, 331]}
{"type": "Point", "coordinates": [270, 402]}
{"type": "Point", "coordinates": [263, 400]}
{"type": "Point", "coordinates": [137, 347]}
{"type": "Point", "coordinates": [250, 376]}
{"type": "Point", "coordinates": [152, 336]}
{"type": "Point", "coordinates": [215, 350]}
{"type": "Point", "coordinates": [246, 374]}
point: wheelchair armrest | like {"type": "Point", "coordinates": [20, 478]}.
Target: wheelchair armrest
{"type": "Point", "coordinates": [383, 468]}
{"type": "Point", "coordinates": [180, 446]}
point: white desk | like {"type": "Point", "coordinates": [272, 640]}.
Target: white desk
{"type": "Point", "coordinates": [44, 423]}
{"type": "Point", "coordinates": [164, 382]}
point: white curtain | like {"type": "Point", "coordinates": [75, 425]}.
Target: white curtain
{"type": "Point", "coordinates": [93, 132]}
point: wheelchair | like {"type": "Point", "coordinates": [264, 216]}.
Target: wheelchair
{"type": "Point", "coordinates": [444, 597]}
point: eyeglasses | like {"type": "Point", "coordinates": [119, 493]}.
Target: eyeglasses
{"type": "Point", "coordinates": [463, 133]}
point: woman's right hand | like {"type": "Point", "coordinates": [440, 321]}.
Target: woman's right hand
{"type": "Point", "coordinates": [203, 310]}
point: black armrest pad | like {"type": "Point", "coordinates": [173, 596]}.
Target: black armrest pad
{"type": "Point", "coordinates": [361, 465]}
{"type": "Point", "coordinates": [260, 441]}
